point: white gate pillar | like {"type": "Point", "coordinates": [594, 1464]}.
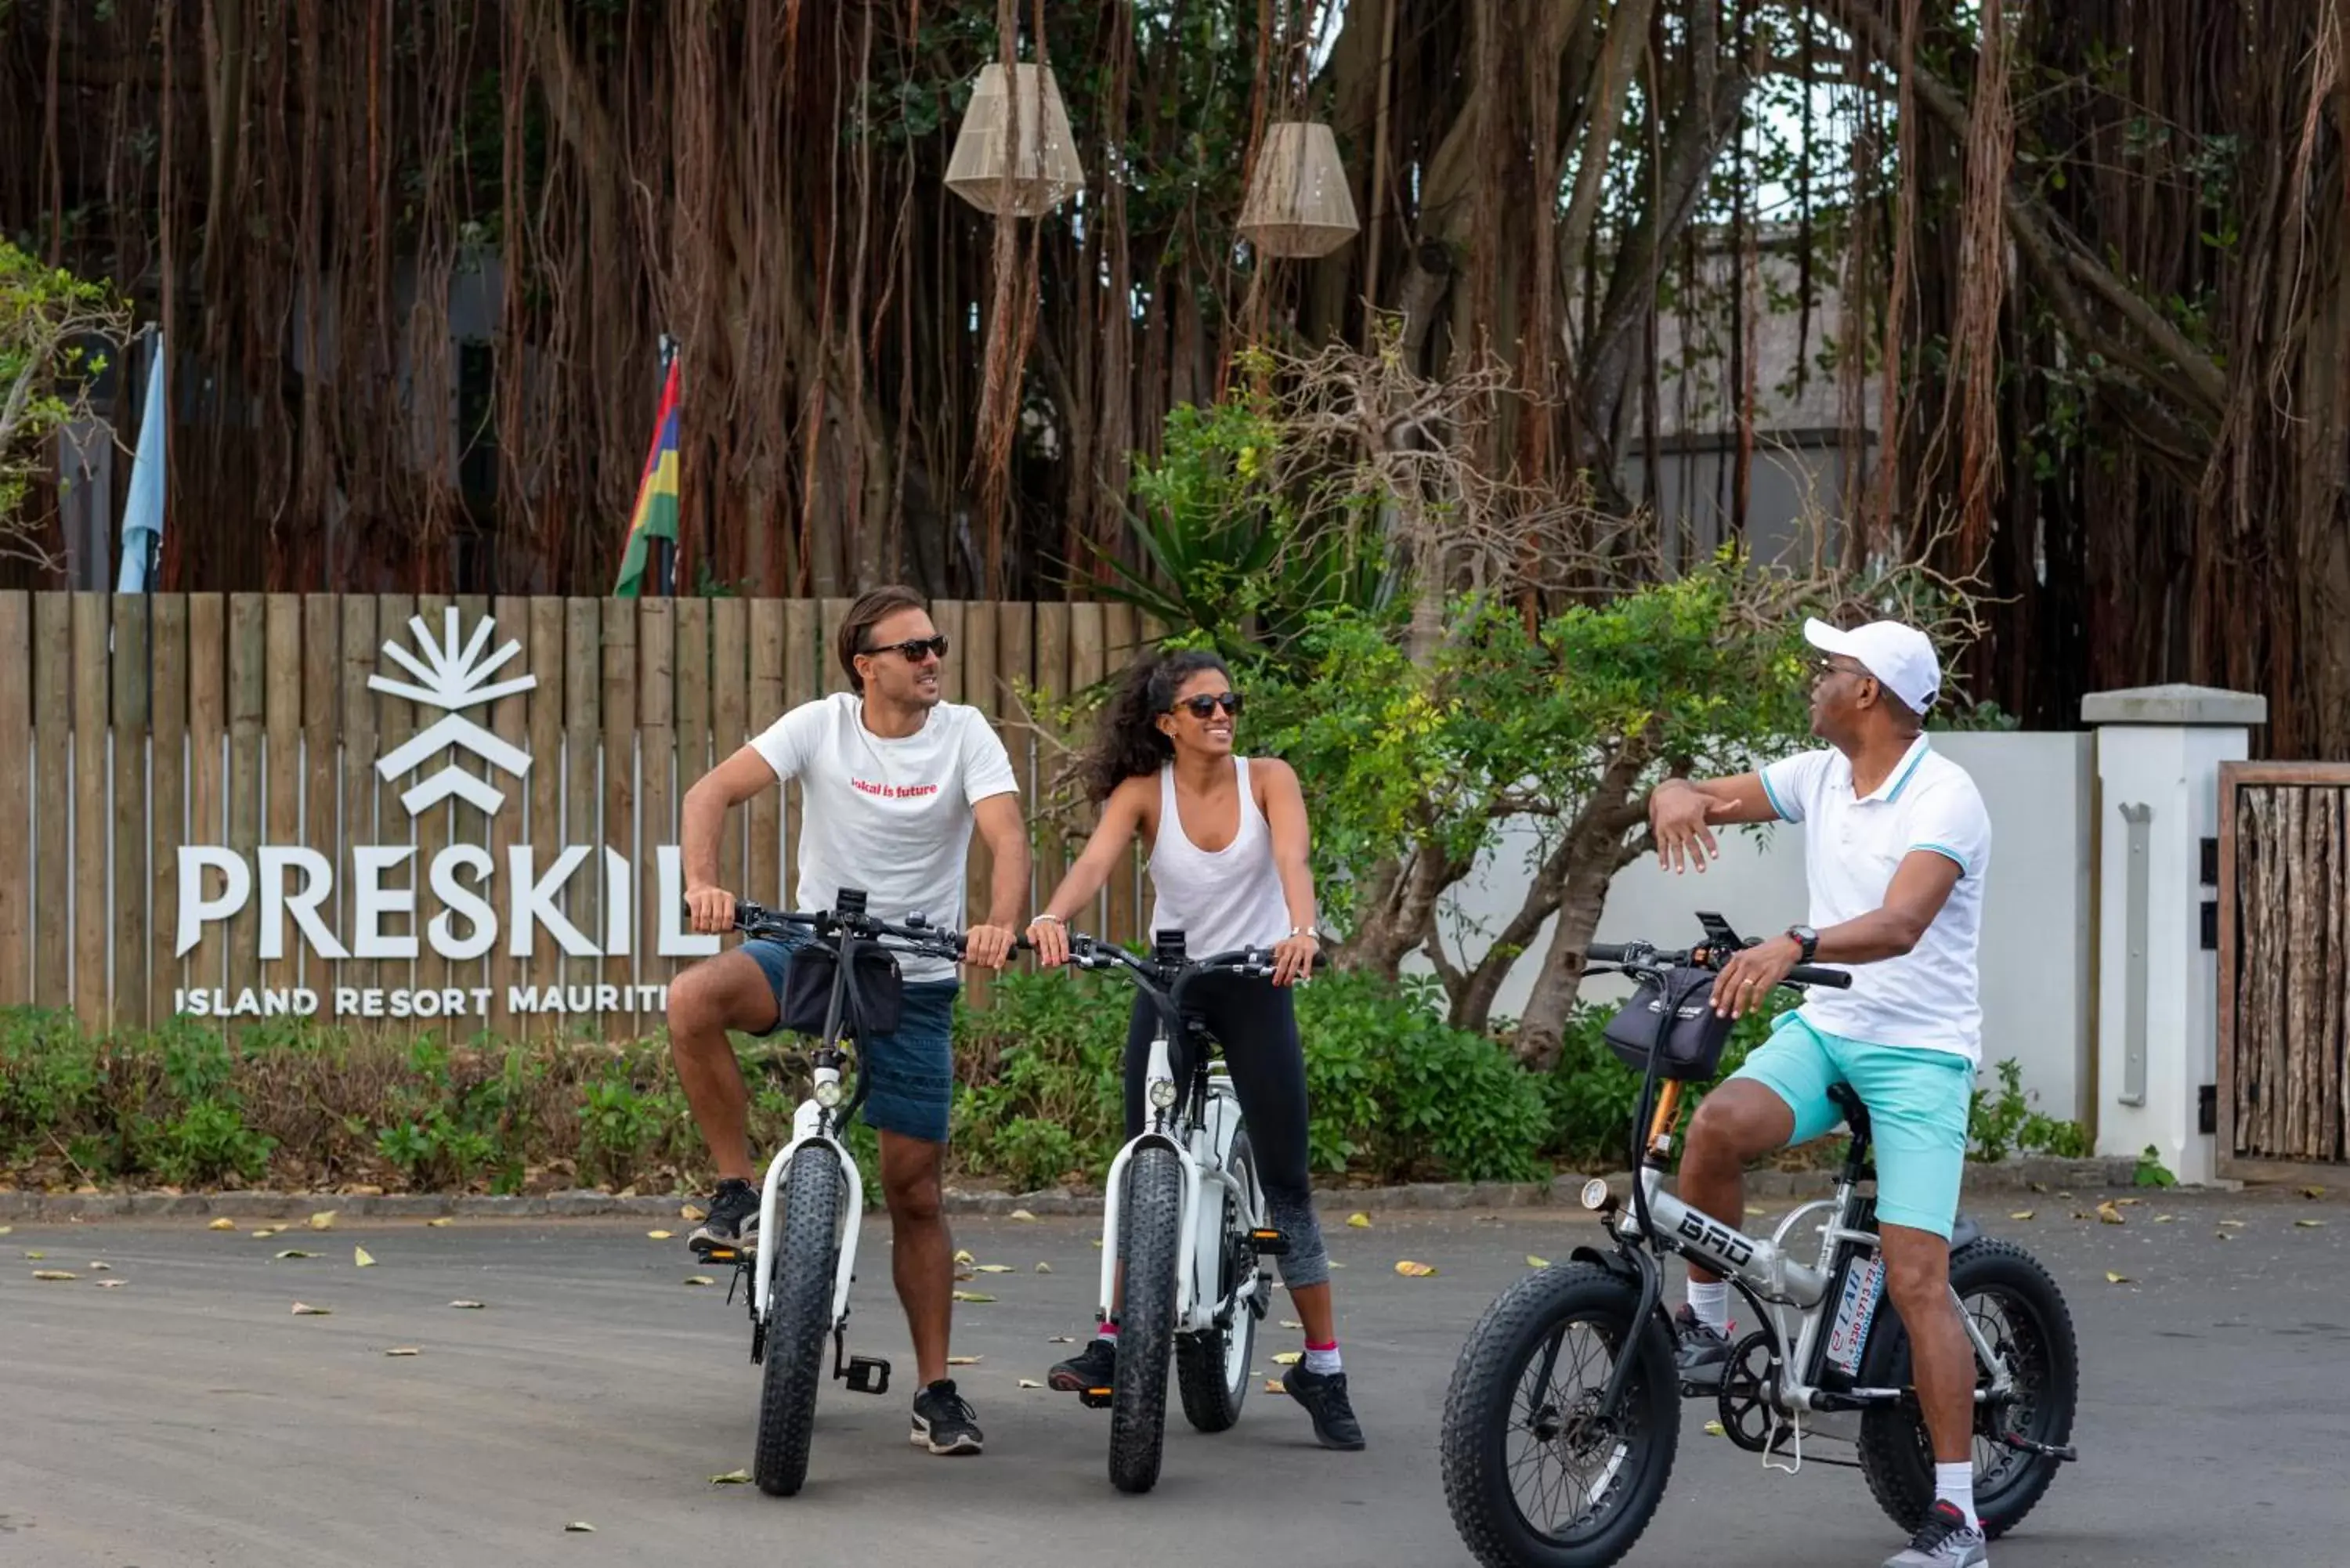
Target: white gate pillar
{"type": "Point", "coordinates": [2159, 753]}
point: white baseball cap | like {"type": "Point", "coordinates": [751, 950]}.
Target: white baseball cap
{"type": "Point", "coordinates": [1899, 655]}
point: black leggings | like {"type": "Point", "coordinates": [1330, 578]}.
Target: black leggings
{"type": "Point", "coordinates": [1256, 1021]}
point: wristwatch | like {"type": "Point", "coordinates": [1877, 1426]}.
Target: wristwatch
{"type": "Point", "coordinates": [1807, 938]}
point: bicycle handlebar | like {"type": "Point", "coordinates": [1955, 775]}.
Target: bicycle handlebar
{"type": "Point", "coordinates": [945, 941]}
{"type": "Point", "coordinates": [1641, 957]}
{"type": "Point", "coordinates": [1089, 952]}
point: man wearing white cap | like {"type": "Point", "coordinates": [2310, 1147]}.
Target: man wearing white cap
{"type": "Point", "coordinates": [1895, 846]}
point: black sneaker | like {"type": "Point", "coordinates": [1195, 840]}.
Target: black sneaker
{"type": "Point", "coordinates": [734, 1220]}
{"type": "Point", "coordinates": [1323, 1395]}
{"type": "Point", "coordinates": [944, 1422]}
{"type": "Point", "coordinates": [1702, 1351]}
{"type": "Point", "coordinates": [1094, 1366]}
{"type": "Point", "coordinates": [1944, 1541]}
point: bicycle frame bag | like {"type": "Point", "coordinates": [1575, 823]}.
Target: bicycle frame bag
{"type": "Point", "coordinates": [876, 999]}
{"type": "Point", "coordinates": [1676, 1021]}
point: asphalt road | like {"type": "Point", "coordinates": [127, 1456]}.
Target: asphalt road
{"type": "Point", "coordinates": [188, 1416]}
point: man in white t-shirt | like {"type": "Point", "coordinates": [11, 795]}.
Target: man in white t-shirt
{"type": "Point", "coordinates": [1895, 842]}
{"type": "Point", "coordinates": [893, 782]}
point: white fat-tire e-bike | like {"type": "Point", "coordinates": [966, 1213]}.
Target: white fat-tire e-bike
{"type": "Point", "coordinates": [812, 1203]}
{"type": "Point", "coordinates": [1829, 1360]}
{"type": "Point", "coordinates": [1184, 1219]}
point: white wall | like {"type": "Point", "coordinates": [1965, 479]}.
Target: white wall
{"type": "Point", "coordinates": [2037, 906]}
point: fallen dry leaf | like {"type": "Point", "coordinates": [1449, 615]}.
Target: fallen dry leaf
{"type": "Point", "coordinates": [580, 1527]}
{"type": "Point", "coordinates": [6, 1229]}
{"type": "Point", "coordinates": [52, 1274]}
{"type": "Point", "coordinates": [1030, 1382]}
{"type": "Point", "coordinates": [993, 1268]}
{"type": "Point", "coordinates": [1273, 1386]}
{"type": "Point", "coordinates": [304, 1309]}
{"type": "Point", "coordinates": [1288, 1358]}
{"type": "Point", "coordinates": [108, 1284]}
{"type": "Point", "coordinates": [1535, 1263]}
{"type": "Point", "coordinates": [2225, 1235]}
{"type": "Point", "coordinates": [2128, 1202]}
{"type": "Point", "coordinates": [2312, 1192]}
{"type": "Point", "coordinates": [2039, 1187]}
{"type": "Point", "coordinates": [656, 1235]}
{"type": "Point", "coordinates": [1336, 1264]}
{"type": "Point", "coordinates": [1023, 1215]}
{"type": "Point", "coordinates": [1713, 1429]}
{"type": "Point", "coordinates": [700, 1280]}
{"type": "Point", "coordinates": [2064, 1195]}
{"type": "Point", "coordinates": [966, 1273]}
{"type": "Point", "coordinates": [965, 1259]}
{"type": "Point", "coordinates": [2114, 1279]}
{"type": "Point", "coordinates": [324, 1220]}
{"type": "Point", "coordinates": [693, 1212]}
{"type": "Point", "coordinates": [2232, 1224]}
{"type": "Point", "coordinates": [36, 1254]}
{"type": "Point", "coordinates": [98, 1266]}
{"type": "Point", "coordinates": [2024, 1214]}
{"type": "Point", "coordinates": [439, 1223]}
{"type": "Point", "coordinates": [2309, 1224]}
{"type": "Point", "coordinates": [1061, 1339]}
{"type": "Point", "coordinates": [971, 1296]}
{"type": "Point", "coordinates": [223, 1224]}
{"type": "Point", "coordinates": [1360, 1221]}
{"type": "Point", "coordinates": [401, 1350]}
{"type": "Point", "coordinates": [362, 1257]}
{"type": "Point", "coordinates": [732, 1478]}
{"type": "Point", "coordinates": [469, 1306]}
{"type": "Point", "coordinates": [962, 1361]}
{"type": "Point", "coordinates": [297, 1253]}
{"type": "Point", "coordinates": [2164, 1219]}
{"type": "Point", "coordinates": [1044, 1268]}
{"type": "Point", "coordinates": [1412, 1270]}
{"type": "Point", "coordinates": [1292, 1323]}
{"type": "Point", "coordinates": [264, 1234]}
{"type": "Point", "coordinates": [2111, 1215]}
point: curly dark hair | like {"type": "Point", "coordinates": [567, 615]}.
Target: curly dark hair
{"type": "Point", "coordinates": [1128, 744]}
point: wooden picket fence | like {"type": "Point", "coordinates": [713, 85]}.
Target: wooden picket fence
{"type": "Point", "coordinates": [131, 725]}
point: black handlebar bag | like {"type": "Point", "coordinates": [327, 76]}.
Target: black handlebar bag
{"type": "Point", "coordinates": [876, 999]}
{"type": "Point", "coordinates": [1672, 1016]}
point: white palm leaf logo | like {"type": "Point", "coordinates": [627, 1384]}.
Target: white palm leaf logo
{"type": "Point", "coordinates": [453, 681]}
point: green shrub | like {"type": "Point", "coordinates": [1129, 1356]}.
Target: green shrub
{"type": "Point", "coordinates": [2006, 1123]}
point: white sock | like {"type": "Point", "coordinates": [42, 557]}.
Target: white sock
{"type": "Point", "coordinates": [1955, 1484]}
{"type": "Point", "coordinates": [1322, 1362]}
{"type": "Point", "coordinates": [1711, 1305]}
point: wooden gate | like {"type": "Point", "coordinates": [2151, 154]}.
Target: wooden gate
{"type": "Point", "coordinates": [2284, 971]}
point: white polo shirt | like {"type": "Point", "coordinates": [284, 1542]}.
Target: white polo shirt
{"type": "Point", "coordinates": [1928, 996]}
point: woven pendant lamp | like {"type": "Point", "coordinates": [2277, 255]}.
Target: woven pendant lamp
{"type": "Point", "coordinates": [1298, 203]}
{"type": "Point", "coordinates": [1046, 171]}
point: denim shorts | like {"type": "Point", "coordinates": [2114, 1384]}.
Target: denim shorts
{"type": "Point", "coordinates": [909, 1071]}
{"type": "Point", "coordinates": [1918, 1102]}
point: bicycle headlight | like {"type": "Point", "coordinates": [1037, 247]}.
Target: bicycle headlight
{"type": "Point", "coordinates": [827, 1092]}
{"type": "Point", "coordinates": [1162, 1092]}
{"type": "Point", "coordinates": [1595, 1193]}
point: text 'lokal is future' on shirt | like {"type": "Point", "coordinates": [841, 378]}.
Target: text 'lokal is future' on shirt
{"type": "Point", "coordinates": [1930, 996]}
{"type": "Point", "coordinates": [890, 817]}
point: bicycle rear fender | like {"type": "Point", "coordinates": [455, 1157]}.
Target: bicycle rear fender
{"type": "Point", "coordinates": [844, 1266]}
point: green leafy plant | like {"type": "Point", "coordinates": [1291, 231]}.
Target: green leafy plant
{"type": "Point", "coordinates": [47, 316]}
{"type": "Point", "coordinates": [2151, 1171]}
{"type": "Point", "coordinates": [2005, 1124]}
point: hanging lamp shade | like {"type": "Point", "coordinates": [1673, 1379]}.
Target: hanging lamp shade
{"type": "Point", "coordinates": [1298, 203]}
{"type": "Point", "coordinates": [1046, 171]}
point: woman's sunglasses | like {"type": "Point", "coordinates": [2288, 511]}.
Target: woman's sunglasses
{"type": "Point", "coordinates": [914, 649]}
{"type": "Point", "coordinates": [1201, 706]}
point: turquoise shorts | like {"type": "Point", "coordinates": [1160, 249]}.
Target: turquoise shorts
{"type": "Point", "coordinates": [1918, 1102]}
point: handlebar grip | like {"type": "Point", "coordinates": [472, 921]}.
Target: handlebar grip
{"type": "Point", "coordinates": [1606, 952]}
{"type": "Point", "coordinates": [1811, 974]}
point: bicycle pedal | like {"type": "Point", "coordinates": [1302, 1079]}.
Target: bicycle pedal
{"type": "Point", "coordinates": [1094, 1398]}
{"type": "Point", "coordinates": [866, 1374]}
{"type": "Point", "coordinates": [1269, 1243]}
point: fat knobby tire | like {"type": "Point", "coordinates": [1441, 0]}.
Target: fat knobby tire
{"type": "Point", "coordinates": [800, 1316]}
{"type": "Point", "coordinates": [1480, 1410]}
{"type": "Point", "coordinates": [1894, 1455]}
{"type": "Point", "coordinates": [1212, 1400]}
{"type": "Point", "coordinates": [1148, 1237]}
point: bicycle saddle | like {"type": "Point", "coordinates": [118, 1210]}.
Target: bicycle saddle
{"type": "Point", "coordinates": [1845, 1099]}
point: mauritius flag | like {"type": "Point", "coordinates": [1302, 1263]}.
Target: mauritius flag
{"type": "Point", "coordinates": [656, 514]}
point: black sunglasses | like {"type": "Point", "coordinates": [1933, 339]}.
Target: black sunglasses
{"type": "Point", "coordinates": [914, 648]}
{"type": "Point", "coordinates": [1201, 706]}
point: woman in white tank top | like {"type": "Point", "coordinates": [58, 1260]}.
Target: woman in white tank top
{"type": "Point", "coordinates": [1229, 868]}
